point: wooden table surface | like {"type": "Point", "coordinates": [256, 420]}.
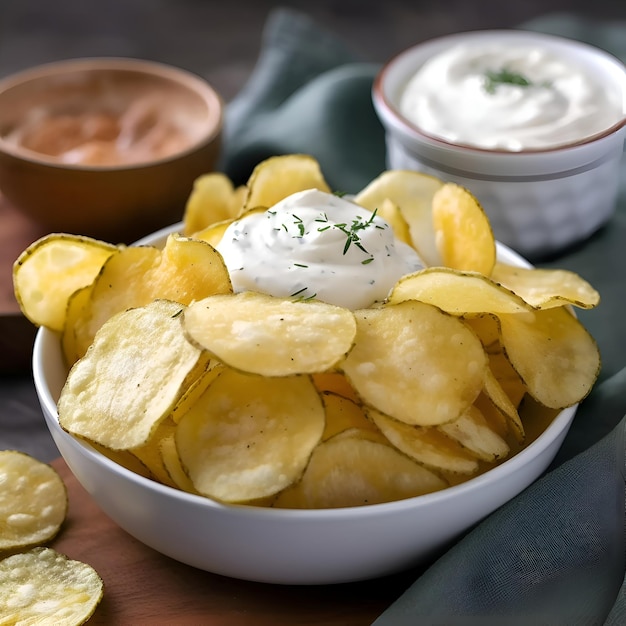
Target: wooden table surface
{"type": "Point", "coordinates": [16, 332]}
{"type": "Point", "coordinates": [145, 587]}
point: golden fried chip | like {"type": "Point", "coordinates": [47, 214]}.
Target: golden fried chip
{"type": "Point", "coordinates": [506, 406]}
{"type": "Point", "coordinates": [138, 367]}
{"type": "Point", "coordinates": [554, 355]}
{"type": "Point", "coordinates": [213, 199]}
{"type": "Point", "coordinates": [185, 270]}
{"type": "Point", "coordinates": [276, 178]}
{"type": "Point", "coordinates": [33, 501]}
{"type": "Point", "coordinates": [412, 192]}
{"type": "Point", "coordinates": [195, 389]}
{"type": "Point", "coordinates": [261, 334]}
{"type": "Point", "coordinates": [457, 292]}
{"type": "Point", "coordinates": [487, 327]}
{"type": "Point", "coordinates": [427, 445]}
{"type": "Point", "coordinates": [335, 382]}
{"type": "Point", "coordinates": [172, 464]}
{"type": "Point", "coordinates": [390, 212]}
{"type": "Point", "coordinates": [463, 233]}
{"type": "Point", "coordinates": [343, 414]}
{"type": "Point", "coordinates": [415, 363]}
{"type": "Point", "coordinates": [355, 471]}
{"type": "Point", "coordinates": [125, 458]}
{"type": "Point", "coordinates": [77, 304]}
{"type": "Point", "coordinates": [547, 288]}
{"type": "Point", "coordinates": [249, 437]}
{"type": "Point", "coordinates": [213, 234]}
{"type": "Point", "coordinates": [51, 269]}
{"type": "Point", "coordinates": [475, 434]}
{"type": "Point", "coordinates": [42, 586]}
{"type": "Point", "coordinates": [149, 454]}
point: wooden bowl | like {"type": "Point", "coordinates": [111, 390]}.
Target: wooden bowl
{"type": "Point", "coordinates": [106, 147]}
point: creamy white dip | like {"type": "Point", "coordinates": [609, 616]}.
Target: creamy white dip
{"type": "Point", "coordinates": [508, 96]}
{"type": "Point", "coordinates": [316, 245]}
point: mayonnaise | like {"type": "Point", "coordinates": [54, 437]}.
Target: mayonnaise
{"type": "Point", "coordinates": [507, 96]}
{"type": "Point", "coordinates": [315, 245]}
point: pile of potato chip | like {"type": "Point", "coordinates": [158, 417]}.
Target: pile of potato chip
{"type": "Point", "coordinates": [39, 585]}
{"type": "Point", "coordinates": [251, 399]}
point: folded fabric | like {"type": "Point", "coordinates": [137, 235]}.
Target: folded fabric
{"type": "Point", "coordinates": [556, 553]}
{"type": "Point", "coordinates": [307, 93]}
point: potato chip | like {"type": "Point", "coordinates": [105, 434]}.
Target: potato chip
{"type": "Point", "coordinates": [475, 434]}
{"type": "Point", "coordinates": [213, 199]}
{"type": "Point", "coordinates": [505, 405]}
{"type": "Point", "coordinates": [554, 355]}
{"type": "Point", "coordinates": [415, 363]}
{"type": "Point", "coordinates": [463, 234]}
{"type": "Point", "coordinates": [113, 293]}
{"type": "Point", "coordinates": [343, 414]}
{"type": "Point", "coordinates": [355, 471]}
{"type": "Point", "coordinates": [428, 446]}
{"type": "Point", "coordinates": [138, 367]}
{"type": "Point", "coordinates": [172, 464]}
{"type": "Point", "coordinates": [125, 458]}
{"type": "Point", "coordinates": [487, 327]}
{"type": "Point", "coordinates": [275, 178]}
{"type": "Point", "coordinates": [185, 270]}
{"type": "Point", "coordinates": [547, 288]}
{"type": "Point", "coordinates": [335, 382]}
{"type": "Point", "coordinates": [261, 334]}
{"type": "Point", "coordinates": [149, 453]}
{"type": "Point", "coordinates": [249, 437]}
{"type": "Point", "coordinates": [213, 234]}
{"type": "Point", "coordinates": [42, 586]}
{"type": "Point", "coordinates": [71, 346]}
{"type": "Point", "coordinates": [390, 212]}
{"type": "Point", "coordinates": [195, 390]}
{"type": "Point", "coordinates": [412, 192]}
{"type": "Point", "coordinates": [65, 262]}
{"type": "Point", "coordinates": [457, 292]}
{"type": "Point", "coordinates": [33, 501]}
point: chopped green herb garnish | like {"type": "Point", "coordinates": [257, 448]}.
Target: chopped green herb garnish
{"type": "Point", "coordinates": [493, 79]}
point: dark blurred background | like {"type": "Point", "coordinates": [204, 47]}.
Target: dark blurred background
{"type": "Point", "coordinates": [220, 39]}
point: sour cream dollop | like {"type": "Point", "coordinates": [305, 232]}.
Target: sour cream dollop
{"type": "Point", "coordinates": [316, 245]}
{"type": "Point", "coordinates": [509, 97]}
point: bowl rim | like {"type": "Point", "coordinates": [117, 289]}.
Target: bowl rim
{"type": "Point", "coordinates": [559, 425]}
{"type": "Point", "coordinates": [386, 107]}
{"type": "Point", "coordinates": [192, 81]}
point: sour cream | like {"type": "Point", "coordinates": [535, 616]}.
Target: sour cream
{"type": "Point", "coordinates": [316, 245]}
{"type": "Point", "coordinates": [509, 97]}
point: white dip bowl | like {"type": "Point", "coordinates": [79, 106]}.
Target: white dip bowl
{"type": "Point", "coordinates": [281, 545]}
{"type": "Point", "coordinates": [541, 199]}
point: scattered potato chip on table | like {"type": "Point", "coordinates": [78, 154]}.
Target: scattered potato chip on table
{"type": "Point", "coordinates": [33, 501]}
{"type": "Point", "coordinates": [42, 586]}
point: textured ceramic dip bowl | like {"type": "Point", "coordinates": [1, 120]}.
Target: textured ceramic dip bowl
{"type": "Point", "coordinates": [539, 199]}
{"type": "Point", "coordinates": [106, 147]}
{"type": "Point", "coordinates": [286, 546]}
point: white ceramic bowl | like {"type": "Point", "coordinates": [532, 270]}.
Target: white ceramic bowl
{"type": "Point", "coordinates": [278, 545]}
{"type": "Point", "coordinates": [538, 201]}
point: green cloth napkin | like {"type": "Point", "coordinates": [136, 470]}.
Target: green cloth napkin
{"type": "Point", "coordinates": [555, 555]}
